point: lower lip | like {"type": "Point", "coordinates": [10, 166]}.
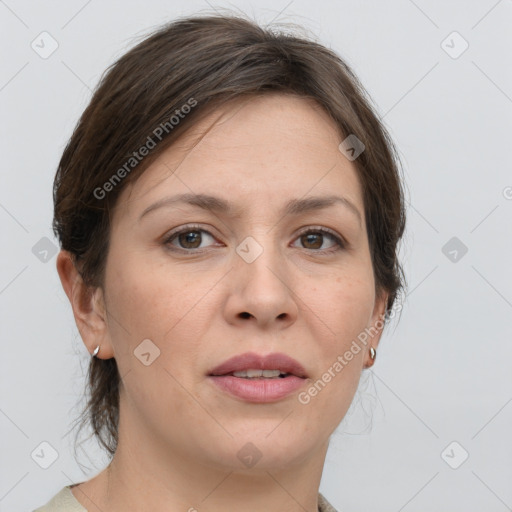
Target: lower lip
{"type": "Point", "coordinates": [259, 390]}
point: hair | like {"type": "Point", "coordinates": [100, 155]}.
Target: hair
{"type": "Point", "coordinates": [204, 61]}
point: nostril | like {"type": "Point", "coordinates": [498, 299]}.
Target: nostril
{"type": "Point", "coordinates": [245, 314]}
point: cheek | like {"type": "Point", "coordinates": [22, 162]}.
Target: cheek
{"type": "Point", "coordinates": [148, 302]}
{"type": "Point", "coordinates": [332, 389]}
{"type": "Point", "coordinates": [147, 298]}
{"type": "Point", "coordinates": [166, 306]}
{"type": "Point", "coordinates": [344, 305]}
{"type": "Point", "coordinates": [141, 301]}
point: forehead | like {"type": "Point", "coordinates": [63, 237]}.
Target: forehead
{"type": "Point", "coordinates": [273, 147]}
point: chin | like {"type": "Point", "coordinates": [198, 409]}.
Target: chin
{"type": "Point", "coordinates": [264, 447]}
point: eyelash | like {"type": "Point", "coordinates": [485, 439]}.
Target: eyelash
{"type": "Point", "coordinates": [340, 243]}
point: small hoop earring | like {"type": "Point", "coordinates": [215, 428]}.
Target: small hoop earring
{"type": "Point", "coordinates": [373, 353]}
{"type": "Point", "coordinates": [96, 350]}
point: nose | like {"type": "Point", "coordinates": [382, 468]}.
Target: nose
{"type": "Point", "coordinates": [261, 292]}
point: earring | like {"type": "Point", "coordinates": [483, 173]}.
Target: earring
{"type": "Point", "coordinates": [96, 350]}
{"type": "Point", "coordinates": [373, 355]}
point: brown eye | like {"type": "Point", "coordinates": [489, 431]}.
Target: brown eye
{"type": "Point", "coordinates": [189, 238]}
{"type": "Point", "coordinates": [314, 239]}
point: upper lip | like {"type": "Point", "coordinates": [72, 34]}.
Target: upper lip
{"type": "Point", "coordinates": [251, 360]}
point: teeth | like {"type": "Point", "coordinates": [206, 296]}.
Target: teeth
{"type": "Point", "coordinates": [251, 374]}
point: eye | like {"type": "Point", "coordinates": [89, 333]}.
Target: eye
{"type": "Point", "coordinates": [313, 239]}
{"type": "Point", "coordinates": [190, 237]}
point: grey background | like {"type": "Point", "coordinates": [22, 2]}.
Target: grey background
{"type": "Point", "coordinates": [442, 372]}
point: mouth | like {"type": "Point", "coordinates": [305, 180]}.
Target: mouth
{"type": "Point", "coordinates": [259, 374]}
{"type": "Point", "coordinates": [254, 366]}
{"type": "Point", "coordinates": [259, 379]}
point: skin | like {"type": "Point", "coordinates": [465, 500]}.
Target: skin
{"type": "Point", "coordinates": [179, 434]}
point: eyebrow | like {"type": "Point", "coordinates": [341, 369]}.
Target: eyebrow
{"type": "Point", "coordinates": [216, 204]}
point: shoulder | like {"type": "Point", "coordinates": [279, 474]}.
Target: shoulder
{"type": "Point", "coordinates": [63, 501]}
{"type": "Point", "coordinates": [324, 505]}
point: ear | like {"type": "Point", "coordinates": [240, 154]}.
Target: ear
{"type": "Point", "coordinates": [376, 326]}
{"type": "Point", "coordinates": [88, 306]}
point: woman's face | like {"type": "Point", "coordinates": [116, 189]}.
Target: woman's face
{"type": "Point", "coordinates": [266, 275]}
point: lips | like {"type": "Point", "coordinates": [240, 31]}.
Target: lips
{"type": "Point", "coordinates": [259, 390]}
{"type": "Point", "coordinates": [253, 361]}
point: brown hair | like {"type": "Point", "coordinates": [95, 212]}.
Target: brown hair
{"type": "Point", "coordinates": [205, 61]}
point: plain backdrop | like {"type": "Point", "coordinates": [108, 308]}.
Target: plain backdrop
{"type": "Point", "coordinates": [430, 427]}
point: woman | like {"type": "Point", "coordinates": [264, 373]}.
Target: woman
{"type": "Point", "coordinates": [229, 208]}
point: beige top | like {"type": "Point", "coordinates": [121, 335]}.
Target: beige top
{"type": "Point", "coordinates": [65, 501]}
